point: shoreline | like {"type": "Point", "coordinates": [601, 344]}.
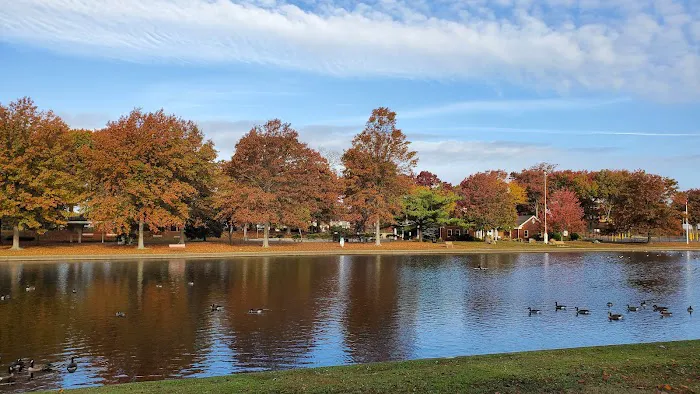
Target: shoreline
{"type": "Point", "coordinates": [646, 367]}
{"type": "Point", "coordinates": [342, 252]}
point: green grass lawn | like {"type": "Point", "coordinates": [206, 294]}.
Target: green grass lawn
{"type": "Point", "coordinates": [673, 367]}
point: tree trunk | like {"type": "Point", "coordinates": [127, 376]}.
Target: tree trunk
{"type": "Point", "coordinates": [230, 234]}
{"type": "Point", "coordinates": [266, 236]}
{"type": "Point", "coordinates": [0, 231]}
{"type": "Point", "coordinates": [15, 238]}
{"type": "Point", "coordinates": [80, 235]}
{"type": "Point", "coordinates": [289, 231]}
{"type": "Point", "coordinates": [141, 235]}
{"type": "Point", "coordinates": [245, 232]}
{"type": "Point", "coordinates": [377, 234]}
{"type": "Point", "coordinates": [420, 235]}
{"type": "Point", "coordinates": [182, 234]}
{"type": "Point", "coordinates": [648, 237]}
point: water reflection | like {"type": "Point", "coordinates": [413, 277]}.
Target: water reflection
{"type": "Point", "coordinates": [327, 310]}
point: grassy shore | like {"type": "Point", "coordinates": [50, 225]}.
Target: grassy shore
{"type": "Point", "coordinates": [671, 367]}
{"type": "Point", "coordinates": [222, 249]}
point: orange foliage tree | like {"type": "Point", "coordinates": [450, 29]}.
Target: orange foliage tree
{"type": "Point", "coordinates": [486, 201]}
{"type": "Point", "coordinates": [275, 179]}
{"type": "Point", "coordinates": [144, 169]}
{"type": "Point", "coordinates": [378, 171]}
{"type": "Point", "coordinates": [565, 212]}
{"type": "Point", "coordinates": [37, 177]}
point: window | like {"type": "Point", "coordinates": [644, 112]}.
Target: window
{"type": "Point", "coordinates": [527, 234]}
{"type": "Point", "coordinates": [449, 232]}
{"type": "Point", "coordinates": [457, 233]}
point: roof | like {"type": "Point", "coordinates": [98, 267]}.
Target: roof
{"type": "Point", "coordinates": [522, 219]}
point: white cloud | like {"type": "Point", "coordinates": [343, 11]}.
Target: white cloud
{"type": "Point", "coordinates": [643, 47]}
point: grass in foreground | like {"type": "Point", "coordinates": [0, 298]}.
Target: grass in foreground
{"type": "Point", "coordinates": [673, 366]}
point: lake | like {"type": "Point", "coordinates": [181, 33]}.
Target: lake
{"type": "Point", "coordinates": [322, 311]}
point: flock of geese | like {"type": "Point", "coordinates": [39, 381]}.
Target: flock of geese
{"type": "Point", "coordinates": [662, 310]}
{"type": "Point", "coordinates": [17, 366]}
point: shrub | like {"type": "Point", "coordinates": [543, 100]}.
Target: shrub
{"type": "Point", "coordinates": [555, 236]}
{"type": "Point", "coordinates": [575, 236]}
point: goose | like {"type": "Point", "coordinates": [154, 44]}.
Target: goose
{"type": "Point", "coordinates": [644, 304]}
{"type": "Point", "coordinates": [120, 314]}
{"type": "Point", "coordinates": [190, 283]}
{"type": "Point", "coordinates": [666, 313]}
{"type": "Point", "coordinates": [10, 378]}
{"type": "Point", "coordinates": [610, 304]}
{"type": "Point", "coordinates": [660, 308]}
{"type": "Point", "coordinates": [559, 307]}
{"type": "Point", "coordinates": [17, 365]}
{"type": "Point", "coordinates": [534, 311]}
{"type": "Point", "coordinates": [615, 316]}
{"type": "Point", "coordinates": [255, 311]}
{"type": "Point", "coordinates": [72, 366]}
{"type": "Point", "coordinates": [690, 309]}
{"type": "Point", "coordinates": [216, 308]}
{"type": "Point", "coordinates": [582, 311]}
{"type": "Point", "coordinates": [5, 298]}
{"type": "Point", "coordinates": [39, 367]}
{"type": "Point", "coordinates": [30, 288]}
{"type": "Point", "coordinates": [75, 291]}
{"type": "Point", "coordinates": [632, 308]}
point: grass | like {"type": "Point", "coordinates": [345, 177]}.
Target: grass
{"type": "Point", "coordinates": [220, 249]}
{"type": "Point", "coordinates": [673, 366]}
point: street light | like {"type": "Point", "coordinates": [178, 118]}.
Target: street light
{"type": "Point", "coordinates": [546, 235]}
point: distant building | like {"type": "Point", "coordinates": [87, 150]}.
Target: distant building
{"type": "Point", "coordinates": [527, 226]}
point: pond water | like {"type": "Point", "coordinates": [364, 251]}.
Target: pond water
{"type": "Point", "coordinates": [321, 311]}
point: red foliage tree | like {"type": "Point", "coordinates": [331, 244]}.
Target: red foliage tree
{"type": "Point", "coordinates": [486, 201]}
{"type": "Point", "coordinates": [565, 212]}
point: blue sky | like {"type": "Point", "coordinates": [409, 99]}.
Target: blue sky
{"type": "Point", "coordinates": [476, 84]}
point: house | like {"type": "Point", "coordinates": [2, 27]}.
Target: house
{"type": "Point", "coordinates": [453, 233]}
{"type": "Point", "coordinates": [528, 226]}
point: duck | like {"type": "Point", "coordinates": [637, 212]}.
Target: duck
{"type": "Point", "coordinates": [615, 316]}
{"type": "Point", "coordinates": [690, 309]}
{"type": "Point", "coordinates": [39, 367]}
{"type": "Point", "coordinates": [18, 365]}
{"type": "Point", "coordinates": [534, 311]}
{"type": "Point", "coordinates": [30, 288]}
{"type": "Point", "coordinates": [120, 314]}
{"type": "Point", "coordinates": [255, 311]}
{"type": "Point", "coordinates": [480, 268]}
{"type": "Point", "coordinates": [10, 378]}
{"type": "Point", "coordinates": [660, 308]}
{"type": "Point", "coordinates": [559, 307]}
{"type": "Point", "coordinates": [582, 311]}
{"type": "Point", "coordinates": [216, 307]}
{"type": "Point", "coordinates": [610, 304]}
{"type": "Point", "coordinates": [666, 313]}
{"type": "Point", "coordinates": [632, 308]}
{"type": "Point", "coordinates": [72, 366]}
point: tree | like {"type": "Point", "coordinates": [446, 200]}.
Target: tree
{"type": "Point", "coordinates": [532, 179]}
{"type": "Point", "coordinates": [37, 178]}
{"type": "Point", "coordinates": [693, 196]}
{"type": "Point", "coordinates": [609, 186]}
{"type": "Point", "coordinates": [378, 171]}
{"type": "Point", "coordinates": [486, 201]}
{"type": "Point", "coordinates": [644, 204]}
{"type": "Point", "coordinates": [427, 208]}
{"type": "Point", "coordinates": [275, 179]}
{"type": "Point", "coordinates": [565, 212]}
{"type": "Point", "coordinates": [144, 169]}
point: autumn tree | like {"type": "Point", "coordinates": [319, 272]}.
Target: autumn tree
{"type": "Point", "coordinates": [37, 178]}
{"type": "Point", "coordinates": [532, 179]}
{"type": "Point", "coordinates": [565, 212]}
{"type": "Point", "coordinates": [377, 171]}
{"type": "Point", "coordinates": [693, 197]}
{"type": "Point", "coordinates": [144, 169]}
{"type": "Point", "coordinates": [427, 207]}
{"type": "Point", "coordinates": [275, 179]}
{"type": "Point", "coordinates": [609, 185]}
{"type": "Point", "coordinates": [644, 204]}
{"type": "Point", "coordinates": [486, 201]}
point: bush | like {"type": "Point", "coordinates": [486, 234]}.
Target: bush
{"type": "Point", "coordinates": [556, 236]}
{"type": "Point", "coordinates": [575, 236]}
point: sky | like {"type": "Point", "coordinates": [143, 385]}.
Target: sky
{"type": "Point", "coordinates": [476, 84]}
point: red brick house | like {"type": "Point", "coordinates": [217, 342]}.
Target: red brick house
{"type": "Point", "coordinates": [528, 226]}
{"type": "Point", "coordinates": [453, 233]}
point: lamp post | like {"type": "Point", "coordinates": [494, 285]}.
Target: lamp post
{"type": "Point", "coordinates": [546, 235]}
{"type": "Point", "coordinates": [687, 223]}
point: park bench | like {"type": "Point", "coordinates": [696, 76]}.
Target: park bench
{"type": "Point", "coordinates": [449, 244]}
{"type": "Point", "coordinates": [177, 246]}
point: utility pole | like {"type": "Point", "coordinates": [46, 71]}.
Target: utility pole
{"type": "Point", "coordinates": [687, 223]}
{"type": "Point", "coordinates": [546, 235]}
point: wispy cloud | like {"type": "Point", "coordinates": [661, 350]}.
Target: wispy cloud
{"type": "Point", "coordinates": [525, 131]}
{"type": "Point", "coordinates": [643, 47]}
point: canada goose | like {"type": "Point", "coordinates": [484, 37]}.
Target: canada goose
{"type": "Point", "coordinates": [666, 313]}
{"type": "Point", "coordinates": [72, 366]}
{"type": "Point", "coordinates": [75, 291]}
{"type": "Point", "coordinates": [690, 309]}
{"type": "Point", "coordinates": [216, 308]}
{"type": "Point", "coordinates": [632, 308]}
{"type": "Point", "coordinates": [30, 288]}
{"type": "Point", "coordinates": [643, 304]}
{"type": "Point", "coordinates": [534, 311]}
{"type": "Point", "coordinates": [120, 314]}
{"type": "Point", "coordinates": [610, 304]}
{"type": "Point", "coordinates": [615, 316]}
{"type": "Point", "coordinates": [5, 298]}
{"type": "Point", "coordinates": [17, 365]}
{"type": "Point", "coordinates": [559, 307]}
{"type": "Point", "coordinates": [39, 367]}
{"type": "Point", "coordinates": [190, 283]}
{"type": "Point", "coordinates": [582, 311]}
{"type": "Point", "coordinates": [10, 378]}
{"type": "Point", "coordinates": [660, 308]}
{"type": "Point", "coordinates": [255, 311]}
